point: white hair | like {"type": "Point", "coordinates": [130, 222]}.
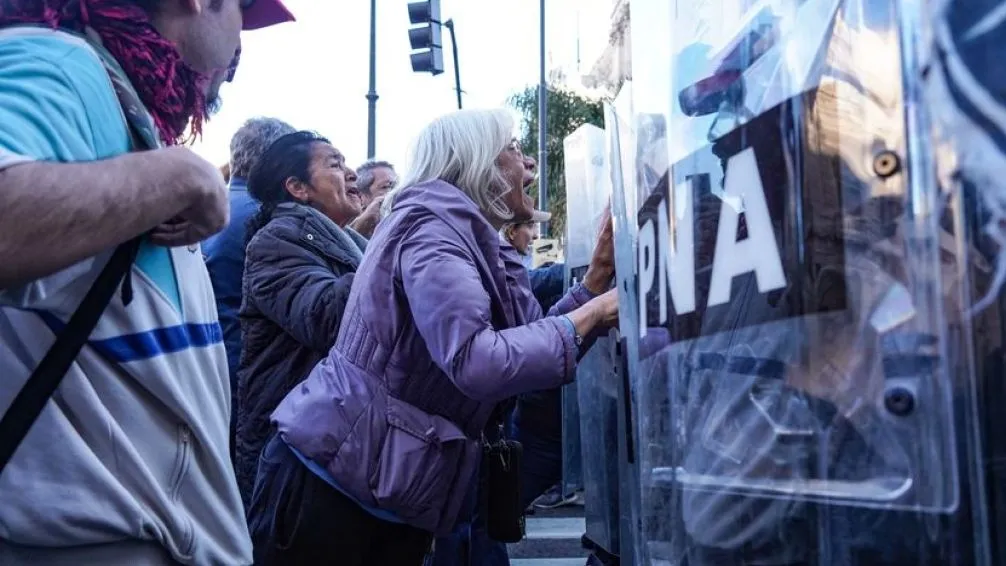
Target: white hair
{"type": "Point", "coordinates": [508, 226]}
{"type": "Point", "coordinates": [505, 231]}
{"type": "Point", "coordinates": [461, 148]}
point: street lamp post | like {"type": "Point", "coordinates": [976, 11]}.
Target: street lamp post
{"type": "Point", "coordinates": [542, 123]}
{"type": "Point", "coordinates": [372, 93]}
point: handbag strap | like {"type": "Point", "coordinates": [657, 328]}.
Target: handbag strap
{"type": "Point", "coordinates": [47, 376]}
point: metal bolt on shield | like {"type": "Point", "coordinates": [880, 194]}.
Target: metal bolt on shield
{"type": "Point", "coordinates": [886, 164]}
{"type": "Point", "coordinates": [899, 401]}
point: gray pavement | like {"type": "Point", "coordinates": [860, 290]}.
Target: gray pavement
{"type": "Point", "coordinates": [553, 539]}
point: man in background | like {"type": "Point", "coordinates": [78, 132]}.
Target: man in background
{"type": "Point", "coordinates": [225, 252]}
{"type": "Point", "coordinates": [374, 179]}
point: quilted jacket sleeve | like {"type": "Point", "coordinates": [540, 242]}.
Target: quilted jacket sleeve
{"type": "Point", "coordinates": [295, 288]}
{"type": "Point", "coordinates": [452, 312]}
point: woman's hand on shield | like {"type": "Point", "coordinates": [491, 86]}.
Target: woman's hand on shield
{"type": "Point", "coordinates": [602, 264]}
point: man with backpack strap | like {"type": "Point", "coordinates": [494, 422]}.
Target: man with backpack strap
{"type": "Point", "coordinates": [127, 463]}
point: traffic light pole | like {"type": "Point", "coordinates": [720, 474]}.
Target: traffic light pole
{"type": "Point", "coordinates": [372, 93]}
{"type": "Point", "coordinates": [425, 40]}
{"type": "Point", "coordinates": [449, 24]}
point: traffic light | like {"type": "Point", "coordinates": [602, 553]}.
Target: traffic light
{"type": "Point", "coordinates": [424, 37]}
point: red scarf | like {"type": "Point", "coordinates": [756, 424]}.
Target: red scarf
{"type": "Point", "coordinates": [171, 90]}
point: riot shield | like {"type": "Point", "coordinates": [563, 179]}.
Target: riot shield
{"type": "Point", "coordinates": [803, 357]}
{"type": "Point", "coordinates": [588, 191]}
{"type": "Point", "coordinates": [618, 130]}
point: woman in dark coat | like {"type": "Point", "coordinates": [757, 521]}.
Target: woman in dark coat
{"type": "Point", "coordinates": [298, 271]}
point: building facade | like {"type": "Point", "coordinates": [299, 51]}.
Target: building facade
{"type": "Point", "coordinates": [614, 66]}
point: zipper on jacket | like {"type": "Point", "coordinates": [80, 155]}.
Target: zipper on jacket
{"type": "Point", "coordinates": [181, 470]}
{"type": "Point", "coordinates": [181, 461]}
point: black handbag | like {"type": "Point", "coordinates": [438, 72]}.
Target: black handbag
{"type": "Point", "coordinates": [502, 460]}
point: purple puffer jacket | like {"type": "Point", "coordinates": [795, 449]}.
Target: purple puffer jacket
{"type": "Point", "coordinates": [440, 326]}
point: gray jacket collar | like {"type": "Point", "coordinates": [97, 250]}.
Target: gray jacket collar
{"type": "Point", "coordinates": [343, 244]}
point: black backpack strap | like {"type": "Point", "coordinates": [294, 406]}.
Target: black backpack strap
{"type": "Point", "coordinates": [31, 400]}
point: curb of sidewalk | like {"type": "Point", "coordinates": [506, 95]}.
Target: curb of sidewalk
{"type": "Point", "coordinates": [551, 537]}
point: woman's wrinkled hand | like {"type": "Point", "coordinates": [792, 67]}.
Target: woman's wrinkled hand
{"type": "Point", "coordinates": [599, 312]}
{"type": "Point", "coordinates": [606, 306]}
{"type": "Point", "coordinates": [602, 263]}
{"type": "Point", "coordinates": [367, 221]}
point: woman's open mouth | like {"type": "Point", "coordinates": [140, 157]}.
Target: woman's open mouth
{"type": "Point", "coordinates": [352, 191]}
{"type": "Point", "coordinates": [528, 181]}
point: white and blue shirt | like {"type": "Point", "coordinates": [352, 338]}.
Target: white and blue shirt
{"type": "Point", "coordinates": [134, 444]}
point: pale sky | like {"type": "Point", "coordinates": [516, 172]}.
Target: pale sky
{"type": "Point", "coordinates": [313, 73]}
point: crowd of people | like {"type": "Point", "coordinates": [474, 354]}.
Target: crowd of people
{"type": "Point", "coordinates": [301, 364]}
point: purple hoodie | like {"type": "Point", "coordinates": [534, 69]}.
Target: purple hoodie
{"type": "Point", "coordinates": [440, 326]}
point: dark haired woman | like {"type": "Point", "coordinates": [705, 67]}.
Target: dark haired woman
{"type": "Point", "coordinates": [299, 267]}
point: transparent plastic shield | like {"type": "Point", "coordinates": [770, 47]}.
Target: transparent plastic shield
{"type": "Point", "coordinates": [588, 191]}
{"type": "Point", "coordinates": [620, 141]}
{"type": "Point", "coordinates": [800, 346]}
{"type": "Point", "coordinates": [597, 394]}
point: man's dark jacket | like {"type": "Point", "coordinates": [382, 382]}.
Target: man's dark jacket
{"type": "Point", "coordinates": [298, 272]}
{"type": "Point", "coordinates": [225, 260]}
{"type": "Point", "coordinates": [548, 283]}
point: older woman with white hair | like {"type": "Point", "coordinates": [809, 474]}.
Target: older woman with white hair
{"type": "Point", "coordinates": [377, 449]}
